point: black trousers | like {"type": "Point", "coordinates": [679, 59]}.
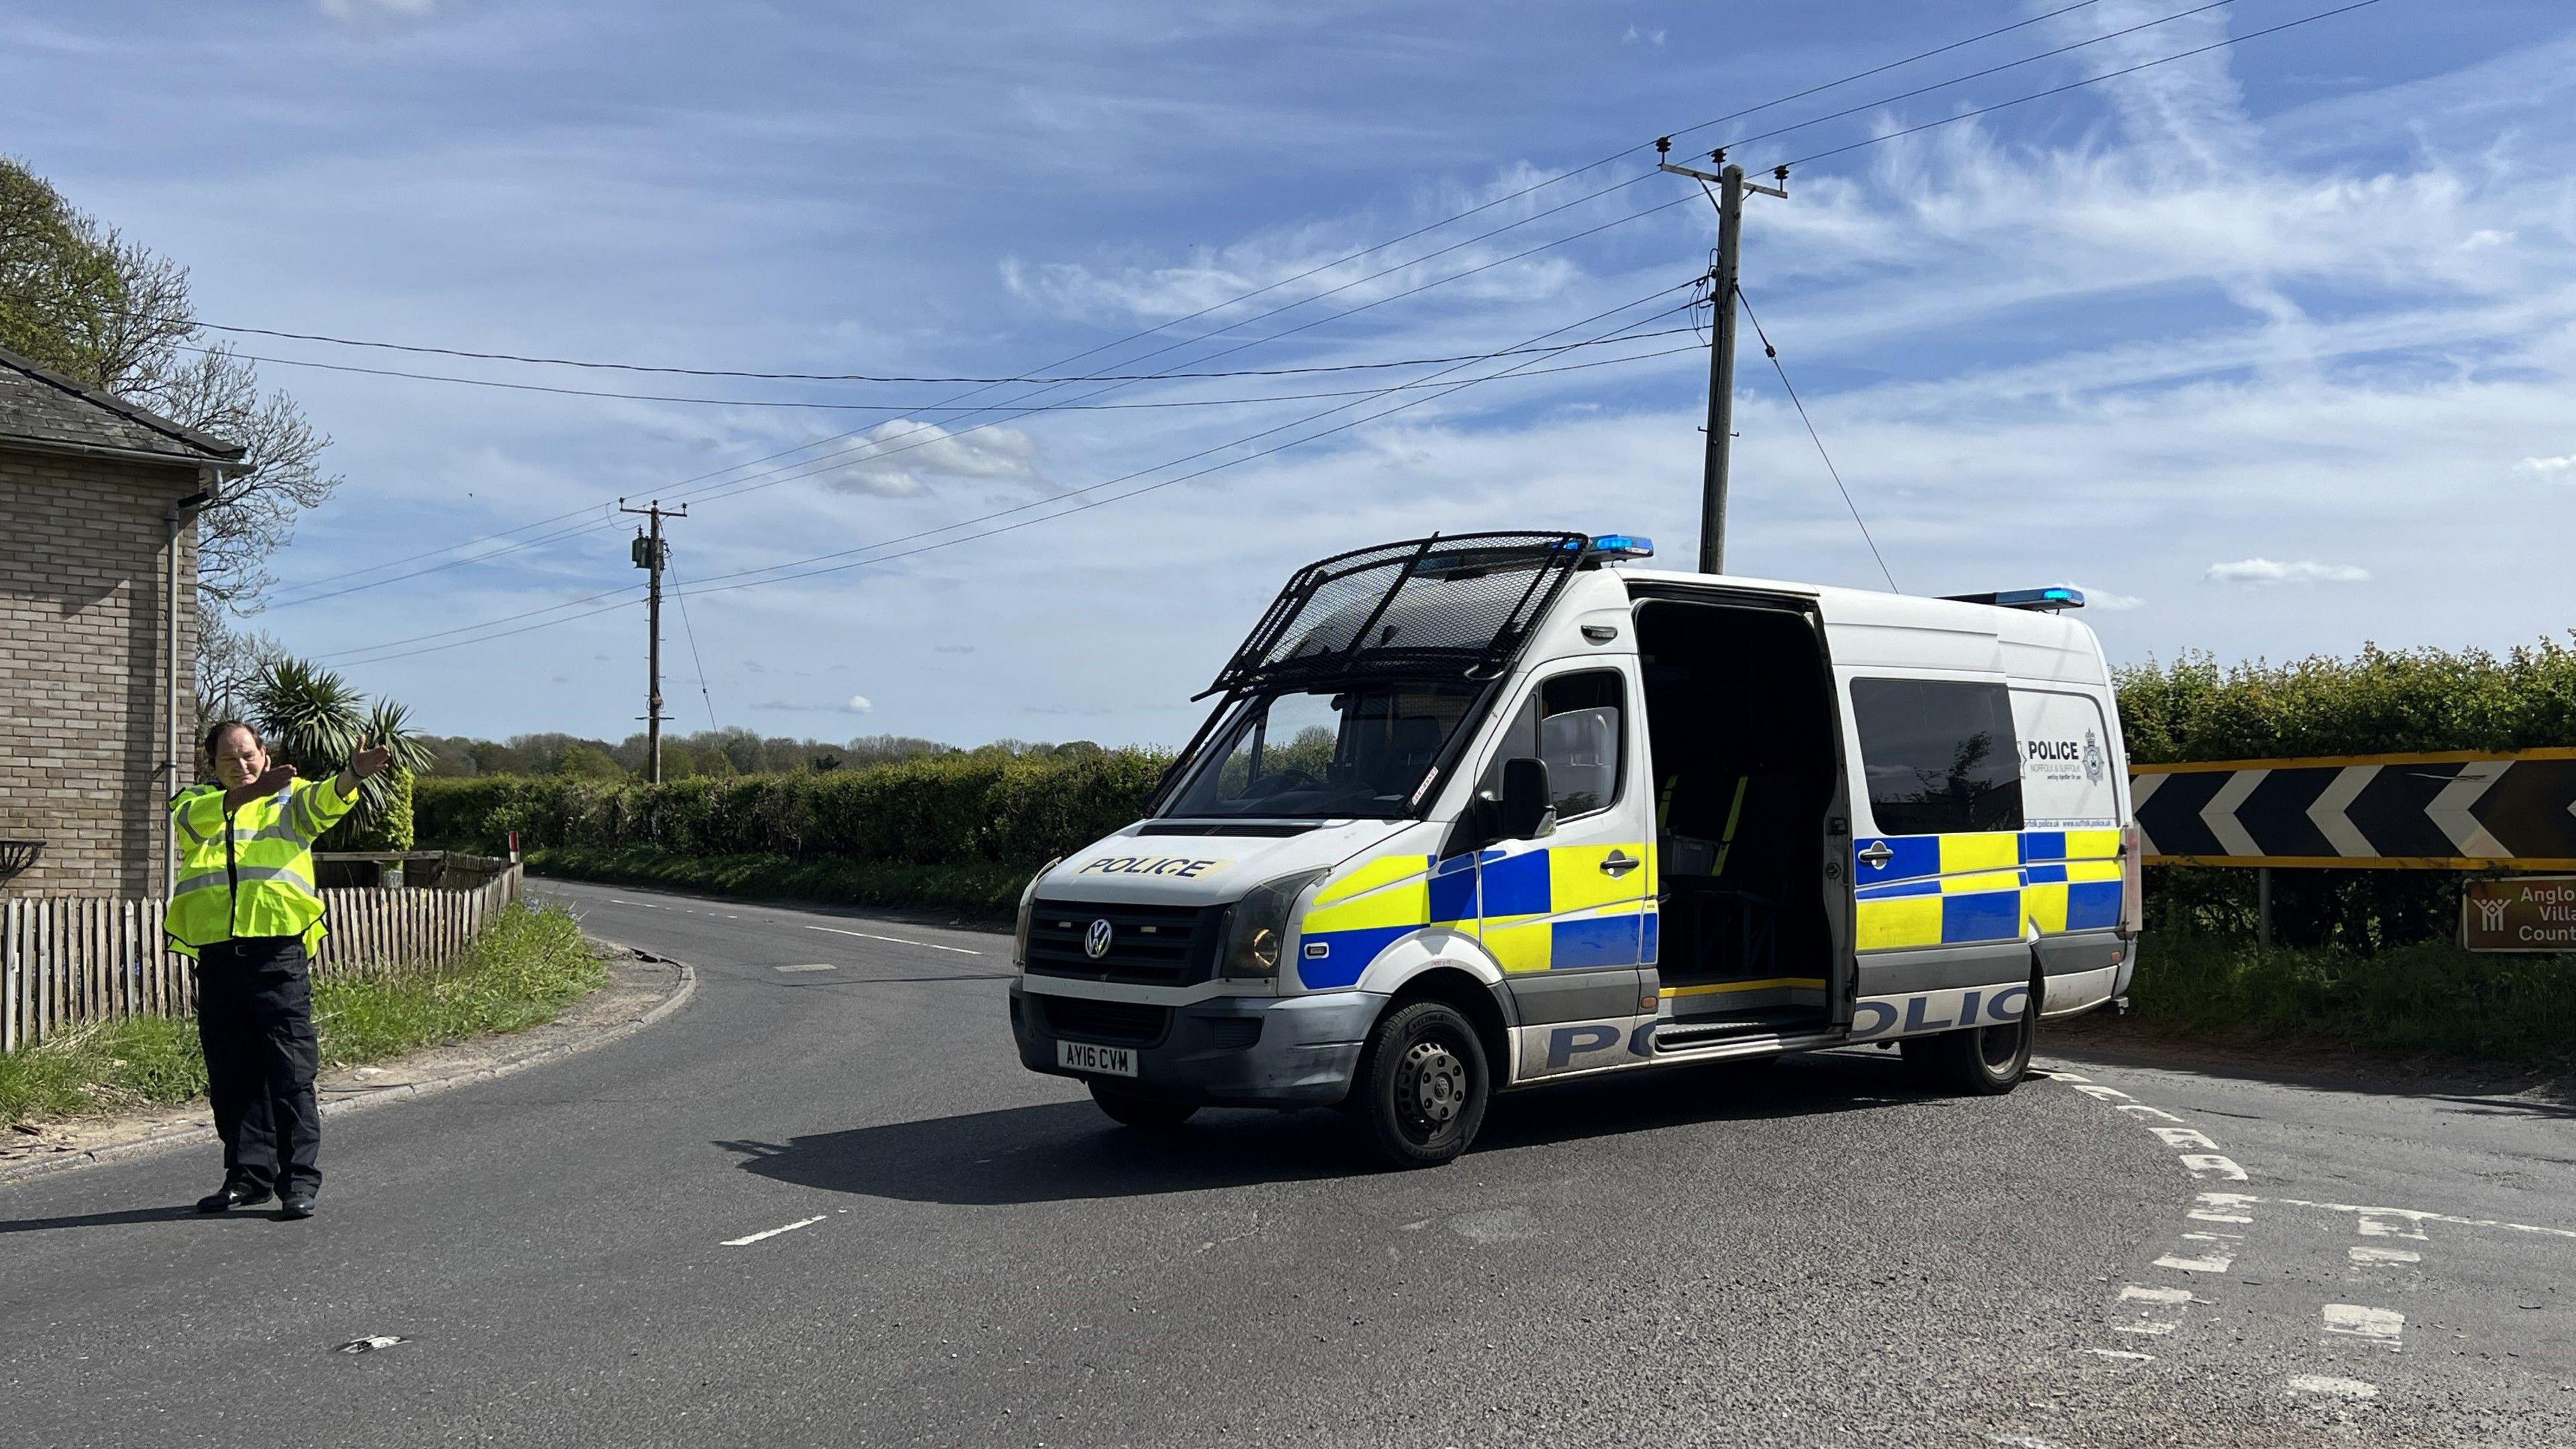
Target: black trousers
{"type": "Point", "coordinates": [255, 1018]}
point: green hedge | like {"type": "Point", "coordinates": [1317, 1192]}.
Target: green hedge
{"type": "Point", "coordinates": [953, 810]}
{"type": "Point", "coordinates": [2380, 702]}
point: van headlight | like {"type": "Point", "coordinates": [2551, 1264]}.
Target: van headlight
{"type": "Point", "coordinates": [1256, 929]}
{"type": "Point", "coordinates": [1028, 903]}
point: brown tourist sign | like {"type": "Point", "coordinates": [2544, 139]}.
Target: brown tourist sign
{"type": "Point", "coordinates": [2522, 913]}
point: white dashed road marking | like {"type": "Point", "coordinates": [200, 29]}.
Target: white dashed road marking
{"type": "Point", "coordinates": [745, 1242]}
{"type": "Point", "coordinates": [2211, 1253]}
{"type": "Point", "coordinates": [2352, 1320]}
{"type": "Point", "coordinates": [2384, 1255]}
{"type": "Point", "coordinates": [2202, 1163]}
{"type": "Point", "coordinates": [2332, 1387]}
{"type": "Point", "coordinates": [898, 940]}
{"type": "Point", "coordinates": [814, 966]}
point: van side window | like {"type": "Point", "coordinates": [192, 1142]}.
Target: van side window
{"type": "Point", "coordinates": [1939, 755]}
{"type": "Point", "coordinates": [1575, 723]}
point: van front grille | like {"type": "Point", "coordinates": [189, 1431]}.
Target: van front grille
{"type": "Point", "coordinates": [1118, 1023]}
{"type": "Point", "coordinates": [1148, 945]}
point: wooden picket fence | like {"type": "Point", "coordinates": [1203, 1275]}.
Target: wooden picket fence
{"type": "Point", "coordinates": [68, 962]}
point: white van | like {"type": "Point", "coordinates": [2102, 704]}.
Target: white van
{"type": "Point", "coordinates": [1480, 812]}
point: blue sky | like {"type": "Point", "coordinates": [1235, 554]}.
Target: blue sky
{"type": "Point", "coordinates": [2270, 348]}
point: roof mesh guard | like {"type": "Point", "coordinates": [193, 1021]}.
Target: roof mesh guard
{"type": "Point", "coordinates": [1459, 606]}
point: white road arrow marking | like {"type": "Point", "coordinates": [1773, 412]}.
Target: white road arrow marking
{"type": "Point", "coordinates": [2449, 810]}
{"type": "Point", "coordinates": [2327, 813]}
{"type": "Point", "coordinates": [2220, 813]}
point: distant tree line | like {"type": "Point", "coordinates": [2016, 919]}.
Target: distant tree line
{"type": "Point", "coordinates": [719, 754]}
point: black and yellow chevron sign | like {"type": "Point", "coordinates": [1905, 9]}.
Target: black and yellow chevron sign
{"type": "Point", "coordinates": [2453, 811]}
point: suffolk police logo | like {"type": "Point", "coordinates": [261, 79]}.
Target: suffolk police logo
{"type": "Point", "coordinates": [2092, 757]}
{"type": "Point", "coordinates": [1095, 942]}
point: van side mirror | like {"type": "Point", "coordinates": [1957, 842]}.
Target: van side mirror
{"type": "Point", "coordinates": [1527, 809]}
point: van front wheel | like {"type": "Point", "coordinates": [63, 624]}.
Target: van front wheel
{"type": "Point", "coordinates": [1423, 1085]}
{"type": "Point", "coordinates": [1985, 1061]}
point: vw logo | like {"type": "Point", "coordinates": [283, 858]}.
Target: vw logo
{"type": "Point", "coordinates": [1095, 942]}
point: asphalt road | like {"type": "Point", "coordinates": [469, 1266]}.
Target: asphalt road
{"type": "Point", "coordinates": [824, 1205]}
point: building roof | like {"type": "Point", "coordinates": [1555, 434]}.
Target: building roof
{"type": "Point", "coordinates": [46, 411]}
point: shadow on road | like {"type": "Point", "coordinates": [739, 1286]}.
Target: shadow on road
{"type": "Point", "coordinates": [1067, 1151]}
{"type": "Point", "coordinates": [172, 1214]}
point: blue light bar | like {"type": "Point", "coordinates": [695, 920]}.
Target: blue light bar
{"type": "Point", "coordinates": [2041, 598]}
{"type": "Point", "coordinates": [1621, 545]}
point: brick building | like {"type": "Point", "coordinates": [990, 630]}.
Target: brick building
{"type": "Point", "coordinates": [94, 528]}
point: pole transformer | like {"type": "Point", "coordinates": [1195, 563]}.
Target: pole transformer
{"type": "Point", "coordinates": [650, 552]}
{"type": "Point", "coordinates": [1729, 197]}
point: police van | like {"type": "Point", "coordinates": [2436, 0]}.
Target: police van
{"type": "Point", "coordinates": [1481, 812]}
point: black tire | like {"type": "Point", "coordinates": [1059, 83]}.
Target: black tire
{"type": "Point", "coordinates": [1145, 1114]}
{"type": "Point", "coordinates": [1985, 1061]}
{"type": "Point", "coordinates": [1422, 1088]}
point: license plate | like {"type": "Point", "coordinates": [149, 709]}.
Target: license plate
{"type": "Point", "coordinates": [1082, 1056]}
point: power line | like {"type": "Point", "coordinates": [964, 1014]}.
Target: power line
{"type": "Point", "coordinates": [908, 408]}
{"type": "Point", "coordinates": [691, 631]}
{"type": "Point", "coordinates": [703, 586]}
{"type": "Point", "coordinates": [1773, 353]}
{"type": "Point", "coordinates": [1159, 327]}
{"type": "Point", "coordinates": [789, 473]}
{"type": "Point", "coordinates": [1978, 74]}
{"type": "Point", "coordinates": [2090, 80]}
{"type": "Point", "coordinates": [783, 376]}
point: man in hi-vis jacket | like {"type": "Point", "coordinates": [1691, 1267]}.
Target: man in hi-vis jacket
{"type": "Point", "coordinates": [247, 909]}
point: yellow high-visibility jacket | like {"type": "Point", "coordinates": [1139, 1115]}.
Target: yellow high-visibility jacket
{"type": "Point", "coordinates": [250, 874]}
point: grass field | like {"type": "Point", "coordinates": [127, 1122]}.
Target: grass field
{"type": "Point", "coordinates": [2432, 998]}
{"type": "Point", "coordinates": [526, 968]}
{"type": "Point", "coordinates": [975, 892]}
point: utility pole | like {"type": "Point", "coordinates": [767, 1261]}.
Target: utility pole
{"type": "Point", "coordinates": [1731, 187]}
{"type": "Point", "coordinates": [651, 553]}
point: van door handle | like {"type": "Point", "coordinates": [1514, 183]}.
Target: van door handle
{"type": "Point", "coordinates": [1878, 855]}
{"type": "Point", "coordinates": [1619, 862]}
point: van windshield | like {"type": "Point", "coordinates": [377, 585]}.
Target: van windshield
{"type": "Point", "coordinates": [1326, 752]}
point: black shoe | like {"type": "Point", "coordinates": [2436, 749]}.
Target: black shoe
{"type": "Point", "coordinates": [297, 1205]}
{"type": "Point", "coordinates": [232, 1195]}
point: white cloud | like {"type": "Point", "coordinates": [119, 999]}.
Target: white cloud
{"type": "Point", "coordinates": [2558, 467]}
{"type": "Point", "coordinates": [901, 454]}
{"type": "Point", "coordinates": [859, 704]}
{"type": "Point", "coordinates": [2106, 600]}
{"type": "Point", "coordinates": [2266, 571]}
{"type": "Point", "coordinates": [1635, 36]}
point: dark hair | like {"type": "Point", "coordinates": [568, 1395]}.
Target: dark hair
{"type": "Point", "coordinates": [215, 736]}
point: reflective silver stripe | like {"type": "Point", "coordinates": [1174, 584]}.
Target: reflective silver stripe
{"type": "Point", "coordinates": [283, 830]}
{"type": "Point", "coordinates": [180, 814]}
{"type": "Point", "coordinates": [210, 881]}
{"type": "Point", "coordinates": [271, 872]}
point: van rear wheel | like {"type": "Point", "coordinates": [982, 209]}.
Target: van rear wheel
{"type": "Point", "coordinates": [1985, 1061]}
{"type": "Point", "coordinates": [1422, 1087]}
{"type": "Point", "coordinates": [1145, 1114]}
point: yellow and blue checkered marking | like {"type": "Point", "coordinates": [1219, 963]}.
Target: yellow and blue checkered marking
{"type": "Point", "coordinates": [1550, 909]}
{"type": "Point", "coordinates": [1942, 890]}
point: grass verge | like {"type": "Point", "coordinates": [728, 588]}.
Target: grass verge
{"type": "Point", "coordinates": [2428, 998]}
{"type": "Point", "coordinates": [528, 965]}
{"type": "Point", "coordinates": [981, 892]}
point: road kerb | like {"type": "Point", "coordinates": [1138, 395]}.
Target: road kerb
{"type": "Point", "coordinates": [203, 1132]}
